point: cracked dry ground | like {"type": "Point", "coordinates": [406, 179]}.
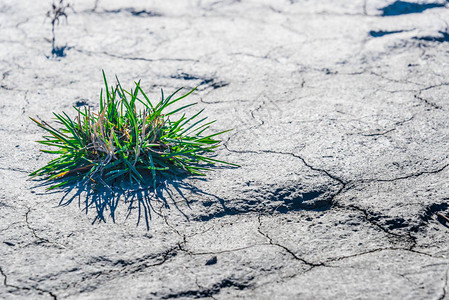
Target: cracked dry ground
{"type": "Point", "coordinates": [341, 126]}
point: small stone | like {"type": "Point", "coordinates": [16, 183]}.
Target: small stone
{"type": "Point", "coordinates": [211, 261]}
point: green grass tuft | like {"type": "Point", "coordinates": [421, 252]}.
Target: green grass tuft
{"type": "Point", "coordinates": [128, 139]}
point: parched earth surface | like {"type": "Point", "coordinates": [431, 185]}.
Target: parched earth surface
{"type": "Point", "coordinates": [340, 114]}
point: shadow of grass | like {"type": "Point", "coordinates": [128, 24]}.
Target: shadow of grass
{"type": "Point", "coordinates": [144, 200]}
{"type": "Point", "coordinates": [403, 7]}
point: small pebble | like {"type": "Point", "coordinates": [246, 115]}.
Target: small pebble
{"type": "Point", "coordinates": [211, 261]}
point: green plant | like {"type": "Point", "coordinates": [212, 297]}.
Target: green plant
{"type": "Point", "coordinates": [129, 138]}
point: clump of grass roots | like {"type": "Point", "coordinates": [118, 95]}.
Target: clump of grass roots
{"type": "Point", "coordinates": [129, 139]}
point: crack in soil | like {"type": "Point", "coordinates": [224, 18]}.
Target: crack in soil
{"type": "Point", "coordinates": [5, 283]}
{"type": "Point", "coordinates": [131, 57]}
{"type": "Point", "coordinates": [347, 185]}
{"type": "Point", "coordinates": [284, 247]}
{"type": "Point", "coordinates": [339, 180]}
{"type": "Point", "coordinates": [41, 240]}
{"type": "Point", "coordinates": [414, 175]}
{"type": "Point", "coordinates": [400, 123]}
{"type": "Point", "coordinates": [368, 217]}
{"type": "Point", "coordinates": [426, 101]}
{"type": "Point", "coordinates": [210, 292]}
{"type": "Point", "coordinates": [444, 287]}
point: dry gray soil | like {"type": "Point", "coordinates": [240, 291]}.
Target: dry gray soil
{"type": "Point", "coordinates": [340, 111]}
